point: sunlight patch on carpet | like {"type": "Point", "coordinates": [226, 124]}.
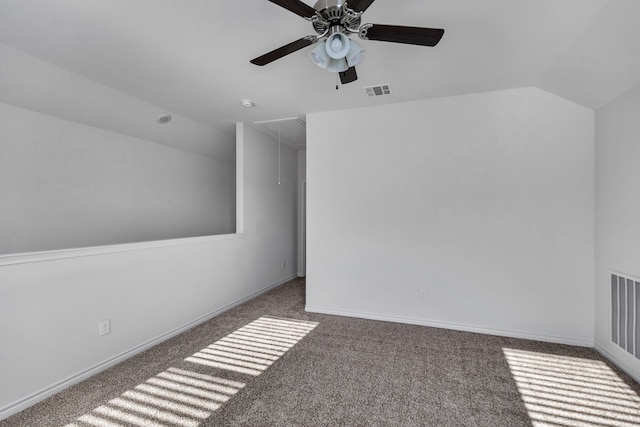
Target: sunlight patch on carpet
{"type": "Point", "coordinates": [254, 347]}
{"type": "Point", "coordinates": [185, 398]}
{"type": "Point", "coordinates": [564, 391]}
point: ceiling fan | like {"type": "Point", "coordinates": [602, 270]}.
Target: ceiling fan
{"type": "Point", "coordinates": [334, 21]}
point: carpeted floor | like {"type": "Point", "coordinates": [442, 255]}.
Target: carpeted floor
{"type": "Point", "coordinates": [268, 363]}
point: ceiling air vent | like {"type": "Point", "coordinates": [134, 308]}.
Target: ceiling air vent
{"type": "Point", "coordinates": [378, 90]}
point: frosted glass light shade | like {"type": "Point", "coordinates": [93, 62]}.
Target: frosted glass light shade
{"type": "Point", "coordinates": [319, 56]}
{"type": "Point", "coordinates": [337, 45]}
{"type": "Point", "coordinates": [337, 65]}
{"type": "Point", "coordinates": [355, 55]}
{"type": "Point", "coordinates": [325, 55]}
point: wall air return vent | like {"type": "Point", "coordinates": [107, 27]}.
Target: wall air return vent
{"type": "Point", "coordinates": [378, 90]}
{"type": "Point", "coordinates": [625, 312]}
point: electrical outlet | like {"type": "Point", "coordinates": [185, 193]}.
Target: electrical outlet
{"type": "Point", "coordinates": [104, 327]}
{"type": "Point", "coordinates": [422, 295]}
{"type": "Point", "coordinates": [283, 264]}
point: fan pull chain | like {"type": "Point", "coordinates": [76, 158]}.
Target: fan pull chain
{"type": "Point", "coordinates": [337, 81]}
{"type": "Point", "coordinates": [279, 144]}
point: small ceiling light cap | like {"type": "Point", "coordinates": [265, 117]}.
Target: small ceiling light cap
{"type": "Point", "coordinates": [164, 119]}
{"type": "Point", "coordinates": [247, 103]}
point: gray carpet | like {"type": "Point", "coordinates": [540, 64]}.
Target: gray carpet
{"type": "Point", "coordinates": [343, 371]}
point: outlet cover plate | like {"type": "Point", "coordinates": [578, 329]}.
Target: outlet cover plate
{"type": "Point", "coordinates": [104, 327]}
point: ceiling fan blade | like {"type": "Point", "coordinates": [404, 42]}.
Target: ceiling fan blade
{"type": "Point", "coordinates": [284, 50]}
{"type": "Point", "coordinates": [297, 7]}
{"type": "Point", "coordinates": [401, 34]}
{"type": "Point", "coordinates": [348, 76]}
{"type": "Point", "coordinates": [359, 5]}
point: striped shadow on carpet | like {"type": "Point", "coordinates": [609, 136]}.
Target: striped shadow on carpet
{"type": "Point", "coordinates": [566, 391]}
{"type": "Point", "coordinates": [179, 397]}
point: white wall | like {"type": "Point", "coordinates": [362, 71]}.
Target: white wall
{"type": "Point", "coordinates": [617, 212]}
{"type": "Point", "coordinates": [483, 202]}
{"type": "Point", "coordinates": [302, 214]}
{"type": "Point", "coordinates": [50, 308]}
{"type": "Point", "coordinates": [68, 185]}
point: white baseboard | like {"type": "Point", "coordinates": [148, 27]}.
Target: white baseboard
{"type": "Point", "coordinates": [623, 365]}
{"type": "Point", "coordinates": [454, 326]}
{"type": "Point", "coordinates": [39, 396]}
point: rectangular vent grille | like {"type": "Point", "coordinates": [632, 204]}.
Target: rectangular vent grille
{"type": "Point", "coordinates": [625, 305]}
{"type": "Point", "coordinates": [379, 90]}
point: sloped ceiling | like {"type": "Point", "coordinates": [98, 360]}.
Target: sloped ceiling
{"type": "Point", "coordinates": [191, 58]}
{"type": "Point", "coordinates": [603, 62]}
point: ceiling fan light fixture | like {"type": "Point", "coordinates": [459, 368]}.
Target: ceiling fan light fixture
{"type": "Point", "coordinates": [337, 53]}
{"type": "Point", "coordinates": [355, 55]}
{"type": "Point", "coordinates": [337, 65]}
{"type": "Point", "coordinates": [337, 45]}
{"type": "Point", "coordinates": [319, 56]}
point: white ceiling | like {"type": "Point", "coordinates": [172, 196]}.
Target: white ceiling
{"type": "Point", "coordinates": [191, 57]}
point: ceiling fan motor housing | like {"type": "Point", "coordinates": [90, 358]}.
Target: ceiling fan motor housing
{"type": "Point", "coordinates": [333, 13]}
